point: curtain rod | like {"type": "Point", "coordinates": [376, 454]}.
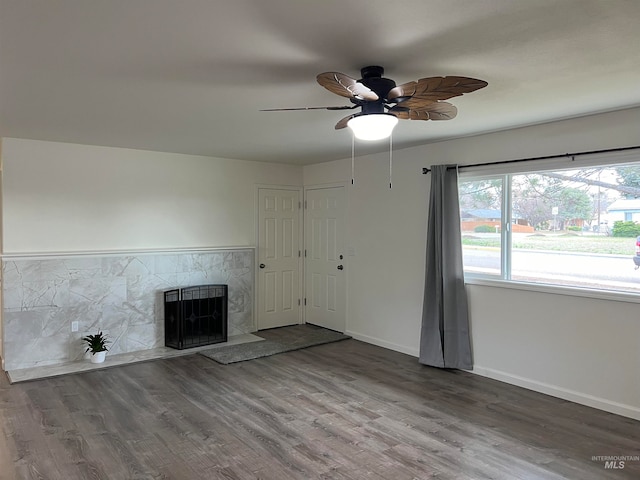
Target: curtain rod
{"type": "Point", "coordinates": [426, 170]}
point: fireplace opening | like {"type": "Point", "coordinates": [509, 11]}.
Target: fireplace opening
{"type": "Point", "coordinates": [195, 316]}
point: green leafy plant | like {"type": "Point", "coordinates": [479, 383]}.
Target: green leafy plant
{"type": "Point", "coordinates": [484, 229]}
{"type": "Point", "coordinates": [626, 229]}
{"type": "Point", "coordinates": [96, 343]}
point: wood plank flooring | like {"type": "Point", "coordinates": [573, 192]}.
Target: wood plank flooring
{"type": "Point", "coordinates": [344, 410]}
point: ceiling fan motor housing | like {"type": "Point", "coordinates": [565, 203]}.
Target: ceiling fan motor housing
{"type": "Point", "coordinates": [372, 78]}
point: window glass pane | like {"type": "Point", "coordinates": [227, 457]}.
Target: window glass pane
{"type": "Point", "coordinates": [480, 220]}
{"type": "Point", "coordinates": [565, 230]}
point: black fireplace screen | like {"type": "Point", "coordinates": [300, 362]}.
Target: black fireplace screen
{"type": "Point", "coordinates": [195, 316]}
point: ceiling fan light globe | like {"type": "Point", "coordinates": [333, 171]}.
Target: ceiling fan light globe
{"type": "Point", "coordinates": [373, 126]}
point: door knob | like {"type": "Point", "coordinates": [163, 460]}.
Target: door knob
{"type": "Point", "coordinates": [340, 267]}
{"type": "Point", "coordinates": [262, 265]}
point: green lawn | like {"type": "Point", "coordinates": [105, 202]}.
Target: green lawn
{"type": "Point", "coordinates": [561, 242]}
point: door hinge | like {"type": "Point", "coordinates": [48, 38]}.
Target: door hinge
{"type": "Point", "coordinates": [305, 302]}
{"type": "Point", "coordinates": [305, 204]}
{"type": "Point", "coordinates": [299, 254]}
{"type": "Point", "coordinates": [298, 302]}
{"type": "Point", "coordinates": [305, 252]}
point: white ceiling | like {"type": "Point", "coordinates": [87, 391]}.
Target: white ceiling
{"type": "Point", "coordinates": [190, 76]}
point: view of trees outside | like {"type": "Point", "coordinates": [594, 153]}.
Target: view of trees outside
{"type": "Point", "coordinates": [563, 214]}
{"type": "Point", "coordinates": [580, 197]}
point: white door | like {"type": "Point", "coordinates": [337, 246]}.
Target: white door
{"type": "Point", "coordinates": [325, 295]}
{"type": "Point", "coordinates": [279, 258]}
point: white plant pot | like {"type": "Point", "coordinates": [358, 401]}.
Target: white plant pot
{"type": "Point", "coordinates": [98, 357]}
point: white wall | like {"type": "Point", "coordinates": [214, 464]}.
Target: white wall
{"type": "Point", "coordinates": [63, 198]}
{"type": "Point", "coordinates": [581, 349]}
{"type": "Point", "coordinates": [70, 198]}
{"type": "Point", "coordinates": [1, 280]}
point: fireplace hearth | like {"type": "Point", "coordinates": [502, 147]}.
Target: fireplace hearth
{"type": "Point", "coordinates": [195, 316]}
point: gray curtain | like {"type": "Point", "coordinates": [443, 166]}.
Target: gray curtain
{"type": "Point", "coordinates": [444, 339]}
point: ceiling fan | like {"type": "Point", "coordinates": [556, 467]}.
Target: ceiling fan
{"type": "Point", "coordinates": [382, 102]}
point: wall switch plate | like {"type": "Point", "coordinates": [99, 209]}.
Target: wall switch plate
{"type": "Point", "coordinates": [74, 326]}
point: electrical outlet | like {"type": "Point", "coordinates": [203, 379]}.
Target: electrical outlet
{"type": "Point", "coordinates": [74, 326]}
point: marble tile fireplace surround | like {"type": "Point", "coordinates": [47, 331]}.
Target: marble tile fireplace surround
{"type": "Point", "coordinates": [118, 293]}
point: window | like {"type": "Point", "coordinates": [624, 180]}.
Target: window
{"type": "Point", "coordinates": [572, 227]}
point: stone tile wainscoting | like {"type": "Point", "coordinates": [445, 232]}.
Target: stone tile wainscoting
{"type": "Point", "coordinates": [117, 293]}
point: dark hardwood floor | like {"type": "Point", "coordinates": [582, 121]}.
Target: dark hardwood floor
{"type": "Point", "coordinates": [344, 410]}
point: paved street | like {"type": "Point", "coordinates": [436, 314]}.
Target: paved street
{"type": "Point", "coordinates": [601, 271]}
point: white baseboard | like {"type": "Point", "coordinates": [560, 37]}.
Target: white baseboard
{"type": "Point", "coordinates": [560, 392]}
{"type": "Point", "coordinates": [414, 352]}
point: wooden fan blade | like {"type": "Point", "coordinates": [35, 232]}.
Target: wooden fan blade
{"type": "Point", "coordinates": [346, 107]}
{"type": "Point", "coordinates": [343, 123]}
{"type": "Point", "coordinates": [345, 86]}
{"type": "Point", "coordinates": [401, 114]}
{"type": "Point", "coordinates": [441, 111]}
{"type": "Point", "coordinates": [434, 111]}
{"type": "Point", "coordinates": [405, 90]}
{"type": "Point", "coordinates": [417, 103]}
{"type": "Point", "coordinates": [442, 88]}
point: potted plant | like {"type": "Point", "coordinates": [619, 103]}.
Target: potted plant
{"type": "Point", "coordinates": [97, 345]}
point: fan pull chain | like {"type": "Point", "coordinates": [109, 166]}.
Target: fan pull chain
{"type": "Point", "coordinates": [390, 160]}
{"type": "Point", "coordinates": [353, 151]}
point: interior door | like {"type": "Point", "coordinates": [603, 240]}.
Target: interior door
{"type": "Point", "coordinates": [279, 258]}
{"type": "Point", "coordinates": [325, 285]}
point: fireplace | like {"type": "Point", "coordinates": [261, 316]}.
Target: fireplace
{"type": "Point", "coordinates": [195, 316]}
